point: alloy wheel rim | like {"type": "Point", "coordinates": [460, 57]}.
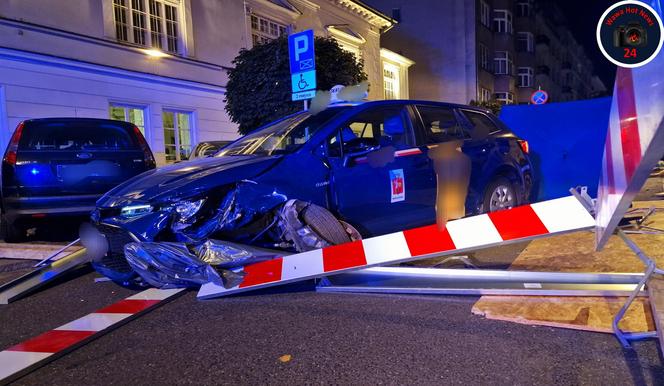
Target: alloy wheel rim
{"type": "Point", "coordinates": [502, 197]}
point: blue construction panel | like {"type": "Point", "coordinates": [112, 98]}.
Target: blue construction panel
{"type": "Point", "coordinates": [566, 142]}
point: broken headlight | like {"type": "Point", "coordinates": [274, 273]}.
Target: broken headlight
{"type": "Point", "coordinates": [135, 210]}
{"type": "Point", "coordinates": [187, 209]}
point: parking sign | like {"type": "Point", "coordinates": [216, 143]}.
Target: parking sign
{"type": "Point", "coordinates": [302, 64]}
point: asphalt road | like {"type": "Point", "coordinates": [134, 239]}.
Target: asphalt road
{"type": "Point", "coordinates": [332, 338]}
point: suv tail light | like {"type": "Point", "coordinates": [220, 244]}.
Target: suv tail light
{"type": "Point", "coordinates": [10, 155]}
{"type": "Point", "coordinates": [149, 158]}
{"type": "Point", "coordinates": [524, 146]}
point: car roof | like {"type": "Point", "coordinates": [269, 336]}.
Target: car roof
{"type": "Point", "coordinates": [425, 102]}
{"type": "Point", "coordinates": [76, 119]}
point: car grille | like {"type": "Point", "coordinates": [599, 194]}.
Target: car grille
{"type": "Point", "coordinates": [117, 239]}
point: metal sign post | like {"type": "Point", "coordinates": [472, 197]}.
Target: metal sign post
{"type": "Point", "coordinates": [302, 66]}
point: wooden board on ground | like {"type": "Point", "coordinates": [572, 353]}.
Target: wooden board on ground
{"type": "Point", "coordinates": [575, 253]}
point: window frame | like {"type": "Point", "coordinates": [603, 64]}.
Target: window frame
{"type": "Point", "coordinates": [147, 134]}
{"type": "Point", "coordinates": [257, 34]}
{"type": "Point", "coordinates": [485, 14]}
{"type": "Point", "coordinates": [151, 24]}
{"type": "Point", "coordinates": [529, 74]}
{"type": "Point", "coordinates": [507, 60]}
{"type": "Point", "coordinates": [484, 57]}
{"type": "Point", "coordinates": [483, 94]}
{"type": "Point", "coordinates": [176, 130]}
{"type": "Point", "coordinates": [524, 8]}
{"type": "Point", "coordinates": [503, 18]}
{"type": "Point", "coordinates": [508, 100]}
{"type": "Point", "coordinates": [529, 38]}
{"type": "Point", "coordinates": [396, 81]}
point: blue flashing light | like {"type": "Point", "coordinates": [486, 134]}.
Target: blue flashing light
{"type": "Point", "coordinates": [34, 171]}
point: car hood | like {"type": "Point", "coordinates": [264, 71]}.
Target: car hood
{"type": "Point", "coordinates": [186, 179]}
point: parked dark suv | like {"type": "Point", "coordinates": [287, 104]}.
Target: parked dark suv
{"type": "Point", "coordinates": [61, 166]}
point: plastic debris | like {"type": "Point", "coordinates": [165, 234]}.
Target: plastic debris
{"type": "Point", "coordinates": [169, 265]}
{"type": "Point", "coordinates": [223, 255]}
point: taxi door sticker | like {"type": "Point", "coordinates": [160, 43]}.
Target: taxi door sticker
{"type": "Point", "coordinates": [397, 185]}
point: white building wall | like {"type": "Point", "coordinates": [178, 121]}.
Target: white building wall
{"type": "Point", "coordinates": [37, 86]}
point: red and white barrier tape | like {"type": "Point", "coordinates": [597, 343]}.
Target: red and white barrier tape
{"type": "Point", "coordinates": [40, 349]}
{"type": "Point", "coordinates": [521, 223]}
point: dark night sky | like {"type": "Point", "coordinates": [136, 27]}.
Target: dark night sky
{"type": "Point", "coordinates": [582, 16]}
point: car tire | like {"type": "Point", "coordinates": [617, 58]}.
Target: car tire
{"type": "Point", "coordinates": [500, 194]}
{"type": "Point", "coordinates": [321, 221]}
{"type": "Point", "coordinates": [10, 232]}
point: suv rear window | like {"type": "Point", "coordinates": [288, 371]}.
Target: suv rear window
{"type": "Point", "coordinates": [77, 136]}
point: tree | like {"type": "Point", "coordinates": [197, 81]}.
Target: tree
{"type": "Point", "coordinates": [259, 85]}
{"type": "Point", "coordinates": [492, 105]}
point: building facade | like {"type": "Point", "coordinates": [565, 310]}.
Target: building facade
{"type": "Point", "coordinates": [162, 64]}
{"type": "Point", "coordinates": [489, 49]}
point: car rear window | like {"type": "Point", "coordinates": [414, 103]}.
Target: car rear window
{"type": "Point", "coordinates": [78, 136]}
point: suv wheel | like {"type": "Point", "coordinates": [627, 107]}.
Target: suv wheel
{"type": "Point", "coordinates": [10, 232]}
{"type": "Point", "coordinates": [499, 195]}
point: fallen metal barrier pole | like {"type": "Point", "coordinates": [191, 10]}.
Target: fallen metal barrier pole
{"type": "Point", "coordinates": [409, 280]}
{"type": "Point", "coordinates": [651, 268]}
{"type": "Point", "coordinates": [33, 280]}
{"type": "Point", "coordinates": [56, 253]}
{"type": "Point", "coordinates": [24, 357]}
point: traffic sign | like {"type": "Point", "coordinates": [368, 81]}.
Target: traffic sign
{"type": "Point", "coordinates": [539, 97]}
{"type": "Point", "coordinates": [300, 96]}
{"type": "Point", "coordinates": [302, 64]}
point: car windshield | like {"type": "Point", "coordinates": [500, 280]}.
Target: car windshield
{"type": "Point", "coordinates": [282, 137]}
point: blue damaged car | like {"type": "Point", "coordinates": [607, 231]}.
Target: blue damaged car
{"type": "Point", "coordinates": [348, 171]}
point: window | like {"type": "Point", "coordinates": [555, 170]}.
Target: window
{"type": "Point", "coordinates": [264, 30]}
{"type": "Point", "coordinates": [390, 81]}
{"type": "Point", "coordinates": [385, 126]}
{"type": "Point", "coordinates": [68, 135]}
{"type": "Point", "coordinates": [524, 8]}
{"type": "Point", "coordinates": [485, 14]}
{"type": "Point", "coordinates": [148, 23]}
{"type": "Point", "coordinates": [133, 114]}
{"type": "Point", "coordinates": [282, 137]}
{"type": "Point", "coordinates": [484, 94]}
{"type": "Point", "coordinates": [484, 57]}
{"type": "Point", "coordinates": [525, 42]}
{"type": "Point", "coordinates": [440, 124]}
{"type": "Point", "coordinates": [525, 76]}
{"type": "Point", "coordinates": [506, 98]}
{"type": "Point", "coordinates": [482, 124]}
{"type": "Point", "coordinates": [503, 63]}
{"type": "Point", "coordinates": [353, 49]}
{"type": "Point", "coordinates": [177, 135]}
{"type": "Point", "coordinates": [502, 21]}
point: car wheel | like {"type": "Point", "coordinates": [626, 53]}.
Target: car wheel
{"type": "Point", "coordinates": [10, 232]}
{"type": "Point", "coordinates": [321, 221]}
{"type": "Point", "coordinates": [499, 195]}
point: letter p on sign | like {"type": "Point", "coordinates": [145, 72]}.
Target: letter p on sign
{"type": "Point", "coordinates": [301, 46]}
